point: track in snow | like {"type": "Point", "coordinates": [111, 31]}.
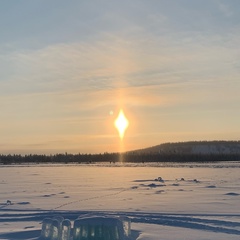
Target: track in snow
{"type": "Point", "coordinates": [227, 224]}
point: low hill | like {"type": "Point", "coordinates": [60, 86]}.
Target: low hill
{"type": "Point", "coordinates": [195, 147]}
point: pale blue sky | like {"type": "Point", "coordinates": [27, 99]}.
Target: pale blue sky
{"type": "Point", "coordinates": [172, 66]}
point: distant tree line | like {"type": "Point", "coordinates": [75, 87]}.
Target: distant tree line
{"type": "Point", "coordinates": [133, 157]}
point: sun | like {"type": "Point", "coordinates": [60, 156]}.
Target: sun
{"type": "Point", "coordinates": [121, 123]}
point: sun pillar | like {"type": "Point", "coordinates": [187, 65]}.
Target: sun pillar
{"type": "Point", "coordinates": [121, 123]}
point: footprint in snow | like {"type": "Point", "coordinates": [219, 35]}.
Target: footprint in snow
{"type": "Point", "coordinates": [153, 185]}
{"type": "Point", "coordinates": [23, 203]}
{"type": "Point", "coordinates": [29, 227]}
{"type": "Point", "coordinates": [232, 194]}
{"type": "Point", "coordinates": [48, 195]}
{"type": "Point", "coordinates": [159, 192]}
{"type": "Point", "coordinates": [211, 186]}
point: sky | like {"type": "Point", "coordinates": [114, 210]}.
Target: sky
{"type": "Point", "coordinates": [69, 67]}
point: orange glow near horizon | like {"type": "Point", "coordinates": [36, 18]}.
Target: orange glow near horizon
{"type": "Point", "coordinates": [121, 123]}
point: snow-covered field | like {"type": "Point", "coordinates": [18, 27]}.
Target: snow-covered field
{"type": "Point", "coordinates": [193, 201]}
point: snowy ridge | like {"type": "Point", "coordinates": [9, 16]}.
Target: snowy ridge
{"type": "Point", "coordinates": [198, 147]}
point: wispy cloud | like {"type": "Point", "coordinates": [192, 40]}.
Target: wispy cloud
{"type": "Point", "coordinates": [115, 62]}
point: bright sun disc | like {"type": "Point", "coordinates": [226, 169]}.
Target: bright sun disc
{"type": "Point", "coordinates": [121, 123]}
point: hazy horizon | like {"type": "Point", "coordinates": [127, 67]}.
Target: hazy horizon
{"type": "Point", "coordinates": [55, 152]}
{"type": "Point", "coordinates": [68, 68]}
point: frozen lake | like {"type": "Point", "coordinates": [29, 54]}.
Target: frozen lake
{"type": "Point", "coordinates": [193, 201]}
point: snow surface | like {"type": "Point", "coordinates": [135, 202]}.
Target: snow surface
{"type": "Point", "coordinates": [191, 201]}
